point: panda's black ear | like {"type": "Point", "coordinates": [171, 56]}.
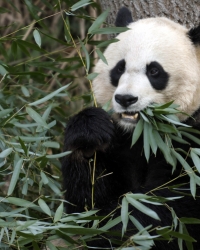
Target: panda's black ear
{"type": "Point", "coordinates": [124, 17]}
{"type": "Point", "coordinates": [194, 35]}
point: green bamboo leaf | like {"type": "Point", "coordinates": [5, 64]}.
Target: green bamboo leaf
{"type": "Point", "coordinates": [25, 225]}
{"type": "Point", "coordinates": [33, 139]}
{"type": "Point", "coordinates": [80, 4]}
{"type": "Point", "coordinates": [5, 112]}
{"type": "Point", "coordinates": [196, 150]}
{"type": "Point", "coordinates": [146, 141]}
{"type": "Point", "coordinates": [29, 45]}
{"type": "Point", "coordinates": [14, 49]}
{"type": "Point", "coordinates": [58, 155]}
{"type": "Point", "coordinates": [182, 236]}
{"type": "Point", "coordinates": [124, 215]}
{"type": "Point", "coordinates": [44, 178]}
{"type": "Point", "coordinates": [164, 149]}
{"type": "Point", "coordinates": [3, 71]}
{"type": "Point", "coordinates": [107, 42]}
{"type": "Point", "coordinates": [144, 117]}
{"type": "Point", "coordinates": [152, 141]}
{"type": "Point", "coordinates": [166, 128]}
{"type": "Point", "coordinates": [50, 246]}
{"type": "Point", "coordinates": [180, 241]}
{"type": "Point", "coordinates": [6, 152]}
{"type": "Point", "coordinates": [59, 212]}
{"type": "Point", "coordinates": [173, 121]}
{"type": "Point", "coordinates": [20, 202]}
{"type": "Point", "coordinates": [15, 176]}
{"type": "Point", "coordinates": [178, 139]}
{"type": "Point", "coordinates": [97, 23]}
{"type": "Point", "coordinates": [35, 246]}
{"type": "Point", "coordinates": [25, 188]}
{"type": "Point", "coordinates": [111, 224]}
{"type": "Point", "coordinates": [53, 187]}
{"type": "Point", "coordinates": [195, 160]}
{"type": "Point", "coordinates": [36, 117]}
{"type": "Point", "coordinates": [189, 220]}
{"type": "Point", "coordinates": [190, 130]}
{"type": "Point", "coordinates": [23, 146]}
{"type": "Point", "coordinates": [138, 225]}
{"type": "Point", "coordinates": [101, 56]}
{"type": "Point", "coordinates": [137, 131]}
{"type": "Point", "coordinates": [183, 162]}
{"type": "Point", "coordinates": [22, 48]}
{"type": "Point", "coordinates": [49, 96]}
{"type": "Point", "coordinates": [25, 91]}
{"type": "Point", "coordinates": [37, 37]}
{"type": "Point", "coordinates": [92, 76]}
{"type": "Point", "coordinates": [51, 144]}
{"type": "Point", "coordinates": [44, 207]}
{"type": "Point", "coordinates": [142, 208]}
{"type": "Point", "coordinates": [109, 30]}
{"type": "Point", "coordinates": [191, 137]}
{"type": "Point", "coordinates": [193, 185]}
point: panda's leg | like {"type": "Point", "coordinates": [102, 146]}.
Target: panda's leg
{"type": "Point", "coordinates": [87, 133]}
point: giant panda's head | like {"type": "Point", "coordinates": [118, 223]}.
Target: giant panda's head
{"type": "Point", "coordinates": [155, 61]}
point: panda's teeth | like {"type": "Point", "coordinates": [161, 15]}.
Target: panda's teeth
{"type": "Point", "coordinates": [129, 116]}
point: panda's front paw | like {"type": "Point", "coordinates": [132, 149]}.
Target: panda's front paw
{"type": "Point", "coordinates": [89, 131]}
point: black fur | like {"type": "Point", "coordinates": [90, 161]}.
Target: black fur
{"type": "Point", "coordinates": [125, 169]}
{"type": "Point", "coordinates": [124, 17]}
{"type": "Point", "coordinates": [160, 79]}
{"type": "Point", "coordinates": [194, 35]}
{"type": "Point", "coordinates": [117, 72]}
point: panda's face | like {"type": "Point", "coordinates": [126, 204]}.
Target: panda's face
{"type": "Point", "coordinates": [153, 62]}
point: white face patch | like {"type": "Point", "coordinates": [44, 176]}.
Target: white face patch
{"type": "Point", "coordinates": [153, 62]}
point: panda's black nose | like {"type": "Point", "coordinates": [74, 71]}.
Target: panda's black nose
{"type": "Point", "coordinates": [125, 100]}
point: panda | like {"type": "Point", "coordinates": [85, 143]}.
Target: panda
{"type": "Point", "coordinates": [155, 61]}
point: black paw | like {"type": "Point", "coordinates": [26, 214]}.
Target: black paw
{"type": "Point", "coordinates": [89, 131]}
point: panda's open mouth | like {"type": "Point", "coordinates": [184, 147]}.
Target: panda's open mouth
{"type": "Point", "coordinates": [132, 117]}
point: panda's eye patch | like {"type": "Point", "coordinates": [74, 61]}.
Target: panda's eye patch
{"type": "Point", "coordinates": [117, 72]}
{"type": "Point", "coordinates": [157, 76]}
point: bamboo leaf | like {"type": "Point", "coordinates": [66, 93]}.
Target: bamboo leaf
{"type": "Point", "coordinates": [25, 91]}
{"type": "Point", "coordinates": [36, 117]}
{"type": "Point", "coordinates": [143, 208]}
{"type": "Point", "coordinates": [58, 155]}
{"type": "Point", "coordinates": [137, 131]}
{"type": "Point", "coordinates": [15, 176]}
{"type": "Point", "coordinates": [195, 160]}
{"type": "Point", "coordinates": [49, 96]}
{"type": "Point", "coordinates": [80, 4]}
{"type": "Point", "coordinates": [101, 56]}
{"type": "Point", "coordinates": [109, 30]}
{"type": "Point", "coordinates": [59, 212]}
{"type": "Point", "coordinates": [146, 141]}
{"type": "Point", "coordinates": [124, 215]}
{"type": "Point", "coordinates": [6, 152]}
{"type": "Point", "coordinates": [44, 207]}
{"type": "Point", "coordinates": [37, 37]}
{"type": "Point", "coordinates": [97, 23]}
{"type": "Point", "coordinates": [44, 178]}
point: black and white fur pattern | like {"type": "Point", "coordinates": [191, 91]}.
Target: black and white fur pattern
{"type": "Point", "coordinates": [156, 60]}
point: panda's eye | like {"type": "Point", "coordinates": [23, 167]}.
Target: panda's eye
{"type": "Point", "coordinates": [154, 72]}
{"type": "Point", "coordinates": [121, 69]}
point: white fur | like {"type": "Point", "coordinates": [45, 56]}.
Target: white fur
{"type": "Point", "coordinates": [153, 39]}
